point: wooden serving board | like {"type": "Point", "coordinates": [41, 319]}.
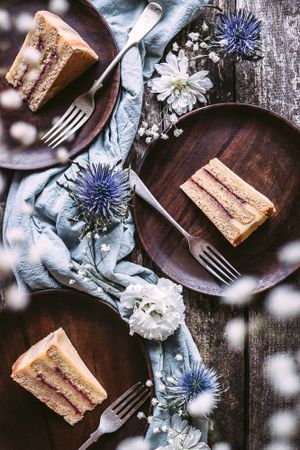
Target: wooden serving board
{"type": "Point", "coordinates": [85, 19]}
{"type": "Point", "coordinates": [101, 338]}
{"type": "Point", "coordinates": [259, 146]}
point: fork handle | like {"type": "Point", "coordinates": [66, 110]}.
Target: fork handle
{"type": "Point", "coordinates": [93, 438]}
{"type": "Point", "coordinates": [143, 192]}
{"type": "Point", "coordinates": [147, 20]}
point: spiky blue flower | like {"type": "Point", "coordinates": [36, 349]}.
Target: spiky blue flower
{"type": "Point", "coordinates": [189, 382]}
{"type": "Point", "coordinates": [238, 32]}
{"type": "Point", "coordinates": [101, 194]}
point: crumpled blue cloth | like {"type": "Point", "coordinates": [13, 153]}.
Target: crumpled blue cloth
{"type": "Point", "coordinates": [52, 206]}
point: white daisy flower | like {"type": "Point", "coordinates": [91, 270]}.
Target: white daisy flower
{"type": "Point", "coordinates": [175, 86]}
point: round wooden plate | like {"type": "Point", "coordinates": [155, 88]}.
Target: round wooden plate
{"type": "Point", "coordinates": [85, 19]}
{"type": "Point", "coordinates": [102, 339]}
{"type": "Point", "coordinates": [258, 145]}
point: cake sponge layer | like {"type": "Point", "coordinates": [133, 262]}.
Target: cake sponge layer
{"type": "Point", "coordinates": [235, 207]}
{"type": "Point", "coordinates": [53, 371]}
{"type": "Point", "coordinates": [64, 56]}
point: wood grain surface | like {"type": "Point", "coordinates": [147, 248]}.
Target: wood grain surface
{"type": "Point", "coordinates": [96, 32]}
{"type": "Point", "coordinates": [241, 137]}
{"type": "Point", "coordinates": [101, 338]}
{"type": "Point", "coordinates": [247, 400]}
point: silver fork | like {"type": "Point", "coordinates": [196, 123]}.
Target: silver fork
{"type": "Point", "coordinates": [119, 412]}
{"type": "Point", "coordinates": [207, 255]}
{"type": "Point", "coordinates": [83, 106]}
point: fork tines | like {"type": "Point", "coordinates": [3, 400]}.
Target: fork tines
{"type": "Point", "coordinates": [129, 403]}
{"type": "Point", "coordinates": [67, 125]}
{"type": "Point", "coordinates": [216, 264]}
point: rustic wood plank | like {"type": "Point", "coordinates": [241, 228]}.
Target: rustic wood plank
{"type": "Point", "coordinates": [206, 318]}
{"type": "Point", "coordinates": [272, 83]}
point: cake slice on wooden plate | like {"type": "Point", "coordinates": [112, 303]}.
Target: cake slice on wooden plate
{"type": "Point", "coordinates": [64, 55]}
{"type": "Point", "coordinates": [53, 371]}
{"type": "Point", "coordinates": [235, 207]}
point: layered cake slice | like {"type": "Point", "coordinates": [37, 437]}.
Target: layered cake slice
{"type": "Point", "coordinates": [53, 371]}
{"type": "Point", "coordinates": [62, 56]}
{"type": "Point", "coordinates": [235, 207]}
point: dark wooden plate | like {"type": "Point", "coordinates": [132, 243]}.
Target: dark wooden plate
{"type": "Point", "coordinates": [85, 19]}
{"type": "Point", "coordinates": [102, 339]}
{"type": "Point", "coordinates": [258, 145]}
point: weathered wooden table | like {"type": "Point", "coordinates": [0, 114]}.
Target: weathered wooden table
{"type": "Point", "coordinates": [274, 82]}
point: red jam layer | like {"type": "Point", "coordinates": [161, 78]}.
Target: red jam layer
{"type": "Point", "coordinates": [240, 199]}
{"type": "Point", "coordinates": [213, 198]}
{"type": "Point", "coordinates": [42, 379]}
{"type": "Point", "coordinates": [57, 370]}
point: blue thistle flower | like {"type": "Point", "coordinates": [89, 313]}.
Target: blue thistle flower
{"type": "Point", "coordinates": [241, 33]}
{"type": "Point", "coordinates": [186, 384]}
{"type": "Point", "coordinates": [101, 194]}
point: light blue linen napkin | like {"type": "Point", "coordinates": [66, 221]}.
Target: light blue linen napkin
{"type": "Point", "coordinates": [52, 206]}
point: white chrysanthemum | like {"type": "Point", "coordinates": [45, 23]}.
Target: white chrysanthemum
{"type": "Point", "coordinates": [281, 370]}
{"type": "Point", "coordinates": [59, 6]}
{"type": "Point", "coordinates": [182, 436]}
{"type": "Point", "coordinates": [23, 132]}
{"type": "Point", "coordinates": [240, 293]}
{"type": "Point", "coordinates": [135, 443]}
{"type": "Point", "coordinates": [235, 332]}
{"type": "Point", "coordinates": [24, 22]}
{"type": "Point", "coordinates": [283, 424]}
{"type": "Point", "coordinates": [283, 302]}
{"type": "Point", "coordinates": [202, 405]}
{"type": "Point", "coordinates": [154, 311]}
{"type": "Point", "coordinates": [16, 299]}
{"type": "Point", "coordinates": [290, 253]}
{"type": "Point", "coordinates": [31, 55]}
{"type": "Point", "coordinates": [176, 86]}
{"type": "Point", "coordinates": [10, 99]}
{"type": "Point", "coordinates": [5, 22]}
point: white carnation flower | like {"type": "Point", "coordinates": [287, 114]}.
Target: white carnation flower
{"type": "Point", "coordinates": [154, 311]}
{"type": "Point", "coordinates": [176, 86]}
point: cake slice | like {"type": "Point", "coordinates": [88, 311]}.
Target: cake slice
{"type": "Point", "coordinates": [53, 371]}
{"type": "Point", "coordinates": [235, 207]}
{"type": "Point", "coordinates": [64, 55]}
